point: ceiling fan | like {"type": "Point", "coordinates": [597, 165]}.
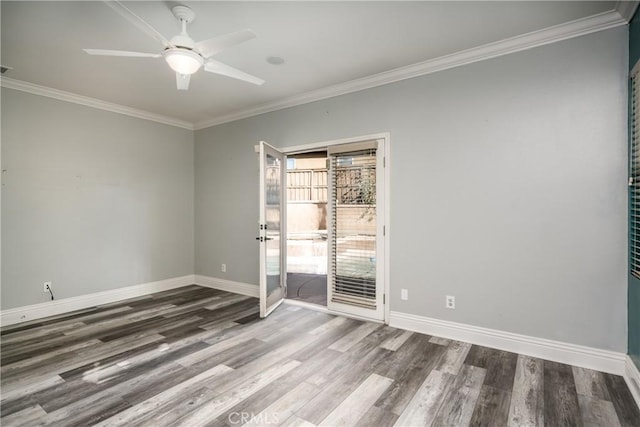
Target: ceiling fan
{"type": "Point", "coordinates": [182, 54]}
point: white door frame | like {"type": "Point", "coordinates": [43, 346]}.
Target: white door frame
{"type": "Point", "coordinates": [384, 211]}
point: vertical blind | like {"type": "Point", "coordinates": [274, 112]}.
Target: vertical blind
{"type": "Point", "coordinates": [353, 226]}
{"type": "Point", "coordinates": [634, 180]}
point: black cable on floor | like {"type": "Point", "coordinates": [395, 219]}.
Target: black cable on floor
{"type": "Point", "coordinates": [304, 283]}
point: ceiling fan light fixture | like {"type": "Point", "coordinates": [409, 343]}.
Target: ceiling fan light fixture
{"type": "Point", "coordinates": [183, 61]}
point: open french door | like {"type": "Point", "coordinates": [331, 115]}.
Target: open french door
{"type": "Point", "coordinates": [356, 231]}
{"type": "Point", "coordinates": [272, 236]}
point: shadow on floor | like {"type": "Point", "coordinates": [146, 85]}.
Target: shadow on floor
{"type": "Point", "coordinates": [305, 287]}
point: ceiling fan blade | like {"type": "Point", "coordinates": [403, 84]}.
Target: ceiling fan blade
{"type": "Point", "coordinates": [183, 81]}
{"type": "Point", "coordinates": [225, 70]}
{"type": "Point", "coordinates": [137, 21]}
{"type": "Point", "coordinates": [217, 44]}
{"type": "Point", "coordinates": [107, 52]}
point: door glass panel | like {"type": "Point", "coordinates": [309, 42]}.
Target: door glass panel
{"type": "Point", "coordinates": [273, 203]}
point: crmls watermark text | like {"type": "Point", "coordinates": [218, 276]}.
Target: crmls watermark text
{"type": "Point", "coordinates": [262, 418]}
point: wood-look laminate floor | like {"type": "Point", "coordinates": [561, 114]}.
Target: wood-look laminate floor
{"type": "Point", "coordinates": [196, 356]}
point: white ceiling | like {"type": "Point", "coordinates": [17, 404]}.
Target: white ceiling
{"type": "Point", "coordinates": [323, 43]}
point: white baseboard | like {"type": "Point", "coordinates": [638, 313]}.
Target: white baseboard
{"type": "Point", "coordinates": [52, 308]}
{"type": "Point", "coordinates": [586, 357]}
{"type": "Point", "coordinates": [227, 285]}
{"type": "Point", "coordinates": [632, 377]}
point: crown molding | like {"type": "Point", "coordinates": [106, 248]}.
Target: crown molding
{"type": "Point", "coordinates": [35, 89]}
{"type": "Point", "coordinates": [577, 28]}
{"type": "Point", "coordinates": [621, 15]}
{"type": "Point", "coordinates": [627, 9]}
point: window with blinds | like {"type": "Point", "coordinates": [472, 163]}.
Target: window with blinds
{"type": "Point", "coordinates": [634, 180]}
{"type": "Point", "coordinates": [353, 226]}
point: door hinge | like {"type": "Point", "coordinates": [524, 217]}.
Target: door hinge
{"type": "Point", "coordinates": [384, 230]}
{"type": "Point", "coordinates": [384, 299]}
{"type": "Point", "coordinates": [384, 162]}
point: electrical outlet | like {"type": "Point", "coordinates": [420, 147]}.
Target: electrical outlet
{"type": "Point", "coordinates": [451, 302]}
{"type": "Point", "coordinates": [404, 294]}
{"type": "Point", "coordinates": [47, 286]}
{"type": "Point", "coordinates": [223, 268]}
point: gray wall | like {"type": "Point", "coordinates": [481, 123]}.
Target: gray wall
{"type": "Point", "coordinates": [508, 188]}
{"type": "Point", "coordinates": [91, 200]}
